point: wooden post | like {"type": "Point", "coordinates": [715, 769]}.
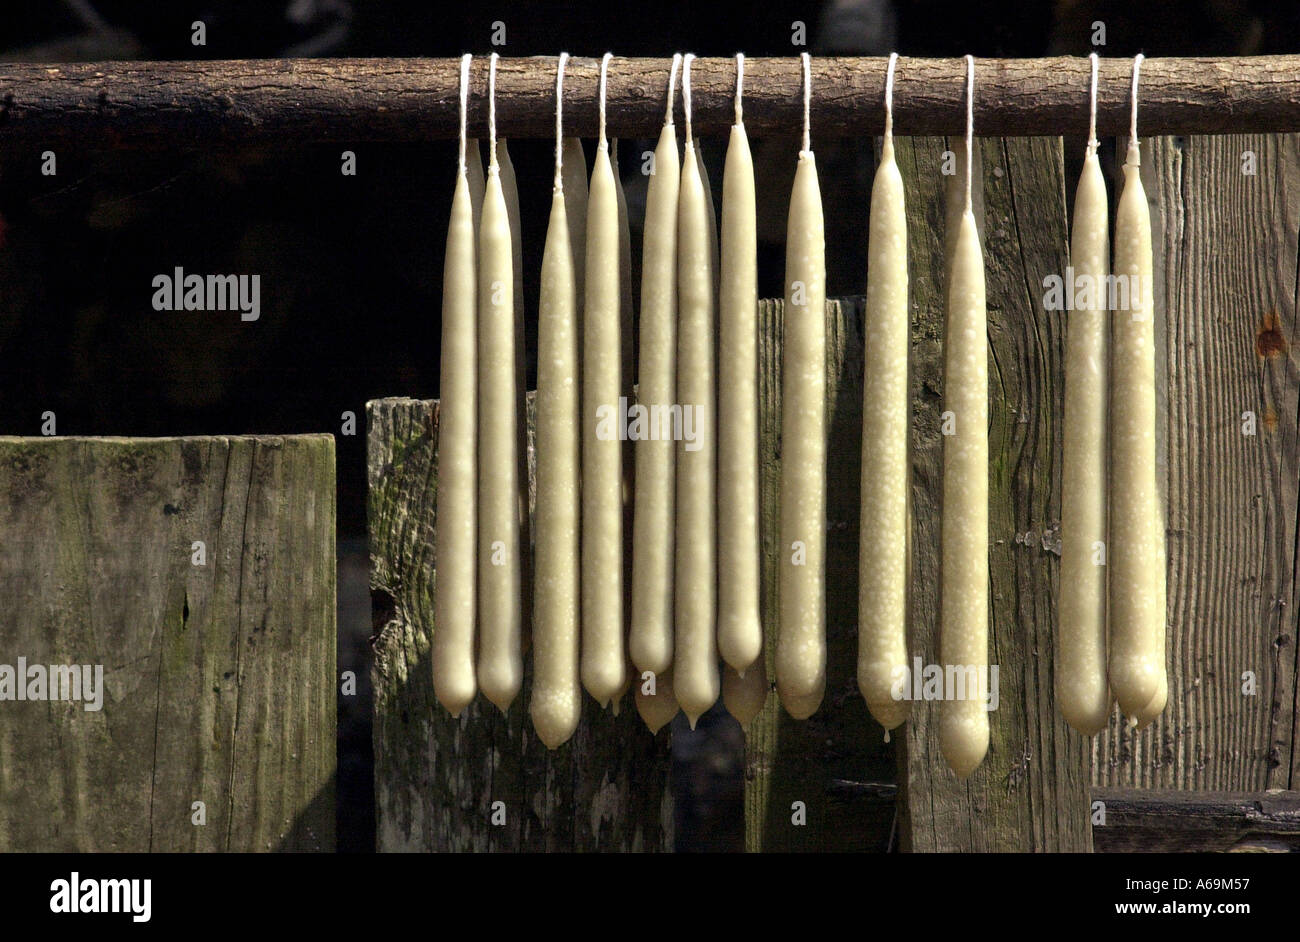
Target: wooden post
{"type": "Point", "coordinates": [218, 662]}
{"type": "Point", "coordinates": [437, 779]}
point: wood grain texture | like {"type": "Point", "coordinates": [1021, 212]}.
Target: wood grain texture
{"type": "Point", "coordinates": [193, 104]}
{"type": "Point", "coordinates": [1226, 255]}
{"type": "Point", "coordinates": [436, 778]}
{"type": "Point", "coordinates": [1147, 821]}
{"type": "Point", "coordinates": [1030, 793]}
{"type": "Point", "coordinates": [220, 679]}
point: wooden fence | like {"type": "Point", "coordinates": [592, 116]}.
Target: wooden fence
{"type": "Point", "coordinates": [215, 727]}
{"type": "Point", "coordinates": [1218, 769]}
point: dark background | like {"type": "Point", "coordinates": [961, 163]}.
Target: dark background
{"type": "Point", "coordinates": [351, 266]}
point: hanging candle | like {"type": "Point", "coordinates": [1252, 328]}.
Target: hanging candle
{"type": "Point", "coordinates": [477, 182]}
{"type": "Point", "coordinates": [884, 541]}
{"type": "Point", "coordinates": [695, 668]}
{"type": "Point", "coordinates": [510, 190]}
{"type": "Point", "coordinates": [801, 644]}
{"type": "Point", "coordinates": [964, 560]}
{"type": "Point", "coordinates": [556, 693]}
{"type": "Point", "coordinates": [1137, 535]}
{"type": "Point", "coordinates": [500, 661]}
{"type": "Point", "coordinates": [657, 709]}
{"type": "Point", "coordinates": [603, 665]}
{"type": "Point", "coordinates": [1082, 689]}
{"type": "Point", "coordinates": [452, 649]}
{"type": "Point", "coordinates": [650, 636]}
{"type": "Point", "coordinates": [740, 625]}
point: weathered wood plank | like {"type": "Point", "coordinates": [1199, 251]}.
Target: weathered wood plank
{"type": "Point", "coordinates": [1141, 820]}
{"type": "Point", "coordinates": [436, 777]}
{"type": "Point", "coordinates": [1031, 791]}
{"type": "Point", "coordinates": [1226, 249]}
{"type": "Point", "coordinates": [219, 679]}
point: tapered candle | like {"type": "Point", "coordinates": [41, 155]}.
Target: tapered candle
{"type": "Point", "coordinates": [603, 664]}
{"type": "Point", "coordinates": [1082, 689]}
{"type": "Point", "coordinates": [500, 661]}
{"type": "Point", "coordinates": [650, 636]}
{"type": "Point", "coordinates": [658, 709]}
{"type": "Point", "coordinates": [477, 182]}
{"type": "Point", "coordinates": [510, 190]}
{"type": "Point", "coordinates": [1137, 536]}
{"type": "Point", "coordinates": [740, 626]}
{"type": "Point", "coordinates": [744, 696]}
{"type": "Point", "coordinates": [801, 644]}
{"type": "Point", "coordinates": [964, 562]}
{"type": "Point", "coordinates": [556, 694]}
{"type": "Point", "coordinates": [575, 210]}
{"type": "Point", "coordinates": [452, 649]}
{"type": "Point", "coordinates": [883, 563]}
{"type": "Point", "coordinates": [624, 283]}
{"type": "Point", "coordinates": [695, 660]}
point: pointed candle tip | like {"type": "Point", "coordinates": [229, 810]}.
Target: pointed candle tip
{"type": "Point", "coordinates": [692, 719]}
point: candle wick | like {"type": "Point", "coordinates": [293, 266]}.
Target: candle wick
{"type": "Point", "coordinates": [559, 121]}
{"type": "Point", "coordinates": [604, 73]}
{"type": "Point", "coordinates": [672, 88]}
{"type": "Point", "coordinates": [493, 166]}
{"type": "Point", "coordinates": [970, 124]}
{"type": "Point", "coordinates": [889, 96]}
{"type": "Point", "coordinates": [464, 102]}
{"type": "Point", "coordinates": [1092, 107]}
{"type": "Point", "coordinates": [807, 102]}
{"type": "Point", "coordinates": [1133, 117]}
{"type": "Point", "coordinates": [740, 87]}
{"type": "Point", "coordinates": [686, 92]}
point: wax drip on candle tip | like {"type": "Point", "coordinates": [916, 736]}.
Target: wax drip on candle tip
{"type": "Point", "coordinates": [886, 735]}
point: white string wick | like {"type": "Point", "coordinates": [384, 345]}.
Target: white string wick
{"type": "Point", "coordinates": [1092, 107]}
{"type": "Point", "coordinates": [889, 96]}
{"type": "Point", "coordinates": [1133, 118]}
{"type": "Point", "coordinates": [740, 88]}
{"type": "Point", "coordinates": [807, 102]}
{"type": "Point", "coordinates": [970, 123]}
{"type": "Point", "coordinates": [686, 92]}
{"type": "Point", "coordinates": [604, 74]}
{"type": "Point", "coordinates": [464, 102]}
{"type": "Point", "coordinates": [493, 166]}
{"type": "Point", "coordinates": [559, 121]}
{"type": "Point", "coordinates": [672, 89]}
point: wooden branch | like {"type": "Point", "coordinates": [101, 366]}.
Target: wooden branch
{"type": "Point", "coordinates": [190, 104]}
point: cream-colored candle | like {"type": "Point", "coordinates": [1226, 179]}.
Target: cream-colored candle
{"type": "Point", "coordinates": [744, 696]}
{"type": "Point", "coordinates": [657, 710]}
{"type": "Point", "coordinates": [695, 660]}
{"type": "Point", "coordinates": [477, 182]}
{"type": "Point", "coordinates": [452, 650]}
{"type": "Point", "coordinates": [603, 663]}
{"type": "Point", "coordinates": [883, 563]}
{"type": "Point", "coordinates": [1137, 536]}
{"type": "Point", "coordinates": [624, 283]}
{"type": "Point", "coordinates": [500, 660]}
{"type": "Point", "coordinates": [801, 644]}
{"type": "Point", "coordinates": [740, 625]}
{"type": "Point", "coordinates": [1082, 689]}
{"type": "Point", "coordinates": [650, 637]}
{"type": "Point", "coordinates": [556, 694]}
{"type": "Point", "coordinates": [964, 558]}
